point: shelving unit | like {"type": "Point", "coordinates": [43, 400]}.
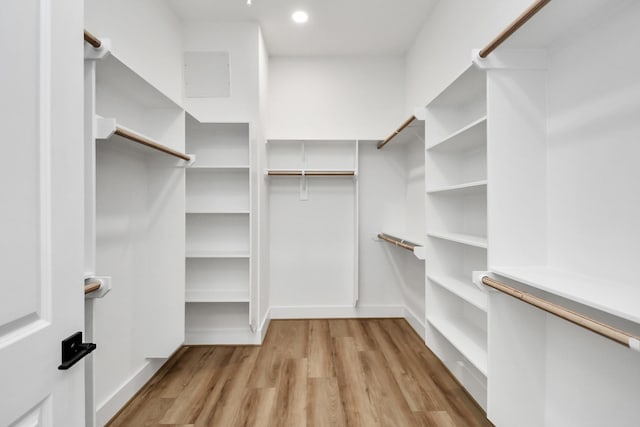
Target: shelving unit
{"type": "Point", "coordinates": [563, 206]}
{"type": "Point", "coordinates": [134, 193]}
{"type": "Point", "coordinates": [313, 199]}
{"type": "Point", "coordinates": [218, 233]}
{"type": "Point", "coordinates": [456, 212]}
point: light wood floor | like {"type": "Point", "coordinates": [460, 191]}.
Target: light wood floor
{"type": "Point", "coordinates": [371, 372]}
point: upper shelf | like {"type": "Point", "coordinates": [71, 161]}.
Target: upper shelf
{"type": "Point", "coordinates": [465, 239]}
{"type": "Point", "coordinates": [615, 298]}
{"type": "Point", "coordinates": [465, 89]}
{"type": "Point", "coordinates": [113, 74]}
{"type": "Point", "coordinates": [476, 187]}
{"type": "Point", "coordinates": [470, 137]}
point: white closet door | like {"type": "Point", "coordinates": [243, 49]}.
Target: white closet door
{"type": "Point", "coordinates": [41, 294]}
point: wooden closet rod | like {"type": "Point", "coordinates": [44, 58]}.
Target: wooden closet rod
{"type": "Point", "coordinates": [92, 40]}
{"type": "Point", "coordinates": [149, 143]}
{"type": "Point", "coordinates": [621, 337]}
{"type": "Point", "coordinates": [310, 173]}
{"type": "Point", "coordinates": [397, 242]}
{"type": "Point", "coordinates": [91, 287]}
{"type": "Point", "coordinates": [513, 27]}
{"type": "Point", "coordinates": [400, 129]}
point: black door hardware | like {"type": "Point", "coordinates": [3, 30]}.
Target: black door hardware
{"type": "Point", "coordinates": [73, 349]}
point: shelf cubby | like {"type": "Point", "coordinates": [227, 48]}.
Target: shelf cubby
{"type": "Point", "coordinates": [217, 190]}
{"type": "Point", "coordinates": [459, 214]}
{"type": "Point", "coordinates": [463, 325]}
{"type": "Point", "coordinates": [218, 144]}
{"type": "Point", "coordinates": [462, 287]}
{"type": "Point", "coordinates": [312, 155]}
{"type": "Point", "coordinates": [222, 233]}
{"type": "Point", "coordinates": [217, 279]}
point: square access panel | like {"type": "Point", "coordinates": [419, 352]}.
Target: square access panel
{"type": "Point", "coordinates": [207, 75]}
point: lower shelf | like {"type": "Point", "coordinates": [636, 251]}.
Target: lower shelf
{"type": "Point", "coordinates": [465, 239]}
{"type": "Point", "coordinates": [477, 387]}
{"type": "Point", "coordinates": [462, 288]}
{"type": "Point", "coordinates": [467, 338]}
{"type": "Point", "coordinates": [200, 295]}
{"type": "Point", "coordinates": [217, 254]}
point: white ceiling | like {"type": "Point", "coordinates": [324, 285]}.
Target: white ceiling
{"type": "Point", "coordinates": [335, 27]}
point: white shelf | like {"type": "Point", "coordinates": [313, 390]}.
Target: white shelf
{"type": "Point", "coordinates": [218, 144]}
{"type": "Point", "coordinates": [303, 172]}
{"type": "Point", "coordinates": [114, 75]}
{"type": "Point", "coordinates": [217, 212]}
{"type": "Point", "coordinates": [470, 137]}
{"type": "Point", "coordinates": [469, 86]}
{"type": "Point", "coordinates": [465, 239]}
{"type": "Point", "coordinates": [219, 168]}
{"type": "Point", "coordinates": [619, 299]}
{"type": "Point", "coordinates": [466, 338]}
{"type": "Point", "coordinates": [475, 187]}
{"type": "Point", "coordinates": [463, 288]}
{"type": "Point", "coordinates": [216, 254]}
{"type": "Point", "coordinates": [215, 189]}
{"type": "Point", "coordinates": [199, 295]}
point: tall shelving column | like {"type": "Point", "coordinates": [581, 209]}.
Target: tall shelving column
{"type": "Point", "coordinates": [456, 212]}
{"type": "Point", "coordinates": [218, 237]}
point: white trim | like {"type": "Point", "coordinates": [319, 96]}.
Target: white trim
{"type": "Point", "coordinates": [336, 312]}
{"type": "Point", "coordinates": [112, 404]}
{"type": "Point", "coordinates": [417, 323]}
{"type": "Point", "coordinates": [222, 336]}
{"type": "Point", "coordinates": [265, 325]}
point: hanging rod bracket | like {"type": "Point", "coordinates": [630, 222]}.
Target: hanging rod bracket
{"type": "Point", "coordinates": [476, 279]}
{"type": "Point", "coordinates": [97, 53]}
{"type": "Point", "coordinates": [104, 286]}
{"type": "Point", "coordinates": [104, 127]}
{"type": "Point", "coordinates": [304, 187]}
{"type": "Point", "coordinates": [513, 59]}
{"type": "Point", "coordinates": [191, 161]}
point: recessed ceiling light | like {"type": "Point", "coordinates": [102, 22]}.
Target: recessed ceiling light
{"type": "Point", "coordinates": [300, 17]}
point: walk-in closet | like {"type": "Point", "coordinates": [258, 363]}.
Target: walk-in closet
{"type": "Point", "coordinates": [297, 213]}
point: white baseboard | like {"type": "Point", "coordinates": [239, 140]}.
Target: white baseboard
{"type": "Point", "coordinates": [112, 404]}
{"type": "Point", "coordinates": [417, 323]}
{"type": "Point", "coordinates": [265, 325]}
{"type": "Point", "coordinates": [222, 336]}
{"type": "Point", "coordinates": [228, 336]}
{"type": "Point", "coordinates": [336, 312]}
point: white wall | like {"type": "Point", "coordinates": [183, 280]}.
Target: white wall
{"type": "Point", "coordinates": [382, 206]}
{"type": "Point", "coordinates": [146, 35]}
{"type": "Point", "coordinates": [442, 49]}
{"type": "Point", "coordinates": [240, 40]}
{"type": "Point", "coordinates": [335, 97]}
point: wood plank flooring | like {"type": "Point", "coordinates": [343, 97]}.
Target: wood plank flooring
{"type": "Point", "coordinates": [342, 372]}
